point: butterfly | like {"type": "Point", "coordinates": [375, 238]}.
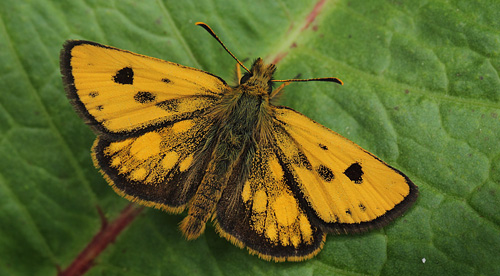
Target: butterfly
{"type": "Point", "coordinates": [181, 139]}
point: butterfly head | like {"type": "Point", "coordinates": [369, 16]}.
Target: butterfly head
{"type": "Point", "coordinates": [260, 76]}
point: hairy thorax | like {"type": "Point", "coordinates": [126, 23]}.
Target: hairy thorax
{"type": "Point", "coordinates": [244, 111]}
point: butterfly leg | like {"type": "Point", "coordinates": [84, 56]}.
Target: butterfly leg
{"type": "Point", "coordinates": [238, 73]}
{"type": "Point", "coordinates": [277, 90]}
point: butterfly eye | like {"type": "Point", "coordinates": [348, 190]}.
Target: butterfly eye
{"type": "Point", "coordinates": [245, 78]}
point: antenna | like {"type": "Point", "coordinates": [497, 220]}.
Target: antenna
{"type": "Point", "coordinates": [330, 79]}
{"type": "Point", "coordinates": [285, 82]}
{"type": "Point", "coordinates": [210, 31]}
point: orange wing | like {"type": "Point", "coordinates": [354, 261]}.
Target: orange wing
{"type": "Point", "coordinates": [120, 93]}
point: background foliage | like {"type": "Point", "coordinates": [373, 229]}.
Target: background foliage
{"type": "Point", "coordinates": [422, 92]}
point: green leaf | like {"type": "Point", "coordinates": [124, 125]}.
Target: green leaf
{"type": "Point", "coordinates": [422, 92]}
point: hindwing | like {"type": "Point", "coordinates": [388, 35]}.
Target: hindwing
{"type": "Point", "coordinates": [161, 168]}
{"type": "Point", "coordinates": [262, 212]}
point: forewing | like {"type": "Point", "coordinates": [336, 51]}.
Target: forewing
{"type": "Point", "coordinates": [160, 168]}
{"type": "Point", "coordinates": [347, 188]}
{"type": "Point", "coordinates": [121, 93]}
{"type": "Point", "coordinates": [259, 211]}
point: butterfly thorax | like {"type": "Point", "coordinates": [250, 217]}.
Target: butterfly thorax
{"type": "Point", "coordinates": [258, 80]}
{"type": "Point", "coordinates": [244, 111]}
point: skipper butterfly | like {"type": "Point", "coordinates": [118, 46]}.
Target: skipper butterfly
{"type": "Point", "coordinates": [179, 138]}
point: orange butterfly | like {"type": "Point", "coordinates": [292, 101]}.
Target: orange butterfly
{"type": "Point", "coordinates": [179, 138]}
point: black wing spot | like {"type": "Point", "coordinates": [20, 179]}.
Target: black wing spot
{"type": "Point", "coordinates": [325, 173]}
{"type": "Point", "coordinates": [165, 80]}
{"type": "Point", "coordinates": [169, 105]}
{"type": "Point", "coordinates": [124, 76]}
{"type": "Point", "coordinates": [355, 173]}
{"type": "Point", "coordinates": [323, 146]}
{"type": "Point", "coordinates": [144, 97]}
{"type": "Point", "coordinates": [348, 211]}
{"type": "Point", "coordinates": [99, 107]}
{"type": "Point", "coordinates": [93, 94]}
{"type": "Point", "coordinates": [362, 207]}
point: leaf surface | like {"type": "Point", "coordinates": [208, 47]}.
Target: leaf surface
{"type": "Point", "coordinates": [422, 92]}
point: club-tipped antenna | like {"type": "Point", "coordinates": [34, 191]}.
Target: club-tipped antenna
{"type": "Point", "coordinates": [330, 79]}
{"type": "Point", "coordinates": [287, 82]}
{"type": "Point", "coordinates": [211, 32]}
